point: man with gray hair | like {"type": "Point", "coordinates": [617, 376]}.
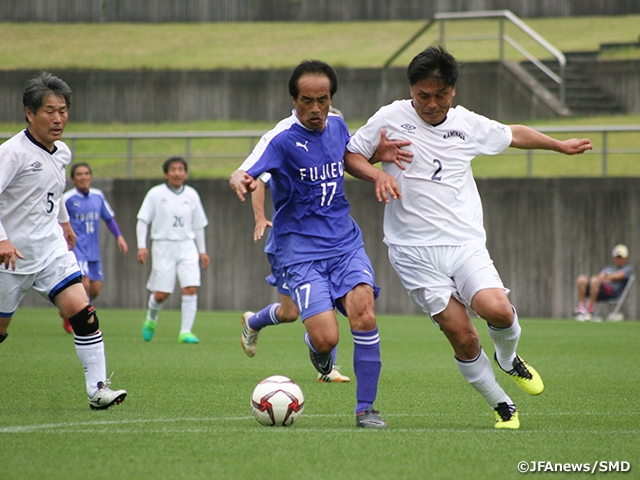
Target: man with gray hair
{"type": "Point", "coordinates": [33, 249]}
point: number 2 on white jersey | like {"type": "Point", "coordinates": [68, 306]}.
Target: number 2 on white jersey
{"type": "Point", "coordinates": [436, 175]}
{"type": "Point", "coordinates": [326, 186]}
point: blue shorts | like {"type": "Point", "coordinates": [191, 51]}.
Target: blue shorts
{"type": "Point", "coordinates": [93, 270]}
{"type": "Point", "coordinates": [276, 279]}
{"type": "Point", "coordinates": [317, 285]}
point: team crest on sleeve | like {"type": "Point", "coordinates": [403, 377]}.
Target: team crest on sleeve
{"type": "Point", "coordinates": [455, 133]}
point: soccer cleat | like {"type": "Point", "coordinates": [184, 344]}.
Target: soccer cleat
{"type": "Point", "coordinates": [249, 340]}
{"type": "Point", "coordinates": [187, 337]}
{"type": "Point", "coordinates": [524, 375]}
{"type": "Point", "coordinates": [370, 419]}
{"type": "Point", "coordinates": [148, 328]}
{"type": "Point", "coordinates": [323, 362]}
{"type": "Point", "coordinates": [66, 324]}
{"type": "Point", "coordinates": [105, 397]}
{"type": "Point", "coordinates": [333, 377]}
{"type": "Point", "coordinates": [506, 416]}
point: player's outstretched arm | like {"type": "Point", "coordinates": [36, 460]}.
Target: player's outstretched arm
{"type": "Point", "coordinates": [527, 138]}
{"type": "Point", "coordinates": [242, 183]}
{"type": "Point", "coordinates": [386, 186]}
{"type": "Point", "coordinates": [392, 151]}
{"type": "Point", "coordinates": [69, 235]}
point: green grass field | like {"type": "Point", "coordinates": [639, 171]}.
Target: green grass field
{"type": "Point", "coordinates": [188, 415]}
{"type": "Point", "coordinates": [239, 45]}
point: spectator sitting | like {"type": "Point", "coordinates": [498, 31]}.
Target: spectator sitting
{"type": "Point", "coordinates": [606, 285]}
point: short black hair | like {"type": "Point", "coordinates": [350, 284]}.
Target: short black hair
{"type": "Point", "coordinates": [40, 87]}
{"type": "Point", "coordinates": [315, 67]}
{"type": "Point", "coordinates": [169, 161]}
{"type": "Point", "coordinates": [433, 63]}
{"type": "Point", "coordinates": [75, 166]}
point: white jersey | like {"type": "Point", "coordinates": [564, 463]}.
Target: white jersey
{"type": "Point", "coordinates": [440, 203]}
{"type": "Point", "coordinates": [173, 215]}
{"type": "Point", "coordinates": [32, 182]}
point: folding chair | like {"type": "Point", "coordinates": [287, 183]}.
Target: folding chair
{"type": "Point", "coordinates": [616, 315]}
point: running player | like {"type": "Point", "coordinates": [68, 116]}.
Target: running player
{"type": "Point", "coordinates": [33, 248]}
{"type": "Point", "coordinates": [317, 242]}
{"type": "Point", "coordinates": [433, 220]}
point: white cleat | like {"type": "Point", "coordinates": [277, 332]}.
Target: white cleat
{"type": "Point", "coordinates": [105, 397]}
{"type": "Point", "coordinates": [249, 339]}
{"type": "Point", "coordinates": [333, 377]}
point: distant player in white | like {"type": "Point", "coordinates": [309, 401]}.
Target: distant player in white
{"type": "Point", "coordinates": [33, 247]}
{"type": "Point", "coordinates": [177, 220]}
{"type": "Point", "coordinates": [433, 219]}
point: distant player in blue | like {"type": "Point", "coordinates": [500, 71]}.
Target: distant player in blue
{"type": "Point", "coordinates": [317, 242]}
{"type": "Point", "coordinates": [86, 206]}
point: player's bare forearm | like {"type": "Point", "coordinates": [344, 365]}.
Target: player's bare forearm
{"type": "Point", "coordinates": [142, 255]}
{"type": "Point", "coordinates": [527, 138]}
{"type": "Point", "coordinates": [386, 187]}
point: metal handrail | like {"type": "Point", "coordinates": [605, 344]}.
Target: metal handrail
{"type": "Point", "coordinates": [253, 135]}
{"type": "Point", "coordinates": [501, 15]}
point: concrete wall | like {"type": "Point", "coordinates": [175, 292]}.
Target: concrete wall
{"type": "Point", "coordinates": [290, 10]}
{"type": "Point", "coordinates": [493, 89]}
{"type": "Point", "coordinates": [541, 235]}
{"type": "Point", "coordinates": [179, 96]}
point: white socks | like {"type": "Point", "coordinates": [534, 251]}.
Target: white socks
{"type": "Point", "coordinates": [479, 373]}
{"type": "Point", "coordinates": [90, 350]}
{"type": "Point", "coordinates": [154, 308]}
{"type": "Point", "coordinates": [505, 341]}
{"type": "Point", "coordinates": [189, 308]}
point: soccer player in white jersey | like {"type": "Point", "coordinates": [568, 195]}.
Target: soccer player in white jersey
{"type": "Point", "coordinates": [177, 219]}
{"type": "Point", "coordinates": [33, 251]}
{"type": "Point", "coordinates": [317, 242]}
{"type": "Point", "coordinates": [433, 220]}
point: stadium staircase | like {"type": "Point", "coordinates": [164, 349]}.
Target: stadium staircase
{"type": "Point", "coordinates": [582, 96]}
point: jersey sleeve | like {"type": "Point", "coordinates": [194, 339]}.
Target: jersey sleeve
{"type": "Point", "coordinates": [491, 137]}
{"type": "Point", "coordinates": [366, 139]}
{"type": "Point", "coordinates": [199, 216]}
{"type": "Point", "coordinates": [106, 212]}
{"type": "Point", "coordinates": [146, 212]}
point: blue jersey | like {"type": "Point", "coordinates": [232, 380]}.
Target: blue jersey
{"type": "Point", "coordinates": [311, 218]}
{"type": "Point", "coordinates": [85, 212]}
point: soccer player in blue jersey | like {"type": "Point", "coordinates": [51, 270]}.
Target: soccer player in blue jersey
{"type": "Point", "coordinates": [86, 206]}
{"type": "Point", "coordinates": [317, 242]}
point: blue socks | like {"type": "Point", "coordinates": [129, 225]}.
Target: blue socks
{"type": "Point", "coordinates": [367, 366]}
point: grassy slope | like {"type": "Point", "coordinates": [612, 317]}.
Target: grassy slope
{"type": "Point", "coordinates": [274, 45]}
{"type": "Point", "coordinates": [188, 415]}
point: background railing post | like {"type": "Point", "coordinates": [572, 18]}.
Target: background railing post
{"type": "Point", "coordinates": [604, 153]}
{"type": "Point", "coordinates": [130, 157]}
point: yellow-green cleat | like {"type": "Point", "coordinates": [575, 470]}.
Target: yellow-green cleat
{"type": "Point", "coordinates": [148, 328]}
{"type": "Point", "coordinates": [524, 375]}
{"type": "Point", "coordinates": [187, 337]}
{"type": "Point", "coordinates": [506, 416]}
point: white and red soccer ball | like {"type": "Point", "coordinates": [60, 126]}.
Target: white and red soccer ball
{"type": "Point", "coordinates": [277, 401]}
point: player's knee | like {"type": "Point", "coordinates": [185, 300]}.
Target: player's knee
{"type": "Point", "coordinates": [85, 322]}
{"type": "Point", "coordinates": [287, 315]}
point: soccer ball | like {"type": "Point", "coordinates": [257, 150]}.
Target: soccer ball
{"type": "Point", "coordinates": [277, 401]}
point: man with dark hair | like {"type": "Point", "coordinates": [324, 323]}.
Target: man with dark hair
{"type": "Point", "coordinates": [32, 245]}
{"type": "Point", "coordinates": [86, 206]}
{"type": "Point", "coordinates": [433, 220]}
{"type": "Point", "coordinates": [317, 243]}
{"type": "Point", "coordinates": [177, 219]}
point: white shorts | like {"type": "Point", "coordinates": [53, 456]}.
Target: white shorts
{"type": "Point", "coordinates": [171, 259]}
{"type": "Point", "coordinates": [431, 274]}
{"type": "Point", "coordinates": [14, 286]}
